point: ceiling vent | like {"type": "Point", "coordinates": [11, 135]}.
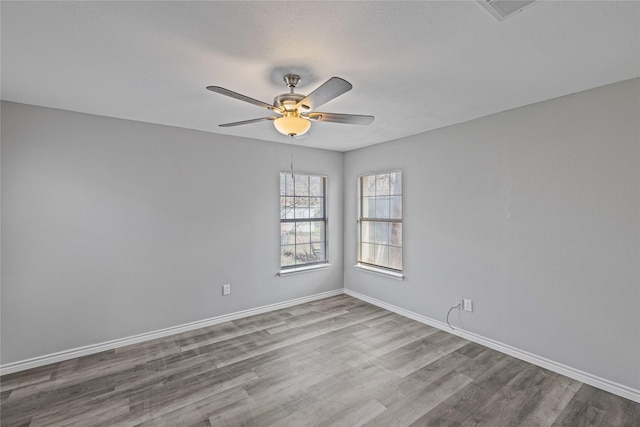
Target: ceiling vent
{"type": "Point", "coordinates": [502, 9]}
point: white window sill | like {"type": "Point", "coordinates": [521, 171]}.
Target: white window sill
{"type": "Point", "coordinates": [304, 269]}
{"type": "Point", "coordinates": [380, 271]}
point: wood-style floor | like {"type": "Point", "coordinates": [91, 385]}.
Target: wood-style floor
{"type": "Point", "coordinates": [338, 361]}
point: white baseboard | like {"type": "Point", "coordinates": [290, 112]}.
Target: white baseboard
{"type": "Point", "coordinates": [585, 377]}
{"type": "Point", "coordinates": [110, 345]}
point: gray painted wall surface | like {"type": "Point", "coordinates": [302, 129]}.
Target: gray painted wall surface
{"type": "Point", "coordinates": [112, 228]}
{"type": "Point", "coordinates": [534, 214]}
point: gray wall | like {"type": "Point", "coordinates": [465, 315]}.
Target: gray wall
{"type": "Point", "coordinates": [534, 214]}
{"type": "Point", "coordinates": [112, 228]}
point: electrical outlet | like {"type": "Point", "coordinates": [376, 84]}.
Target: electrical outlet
{"type": "Point", "coordinates": [226, 289]}
{"type": "Point", "coordinates": [468, 305]}
{"type": "Point", "coordinates": [460, 304]}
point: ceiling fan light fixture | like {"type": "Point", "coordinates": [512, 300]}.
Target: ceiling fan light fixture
{"type": "Point", "coordinates": [292, 125]}
{"type": "Point", "coordinates": [297, 110]}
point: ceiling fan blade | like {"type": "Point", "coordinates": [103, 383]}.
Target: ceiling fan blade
{"type": "Point", "coordinates": [349, 119]}
{"type": "Point", "coordinates": [246, 122]}
{"type": "Point", "coordinates": [330, 89]}
{"type": "Point", "coordinates": [236, 95]}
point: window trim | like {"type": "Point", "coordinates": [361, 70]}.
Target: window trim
{"type": "Point", "coordinates": [304, 269]}
{"type": "Point", "coordinates": [380, 271]}
{"type": "Point", "coordinates": [315, 265]}
{"type": "Point", "coordinates": [374, 268]}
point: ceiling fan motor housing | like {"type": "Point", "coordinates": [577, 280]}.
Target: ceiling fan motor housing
{"type": "Point", "coordinates": [287, 101]}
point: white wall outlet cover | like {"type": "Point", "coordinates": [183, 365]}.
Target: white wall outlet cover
{"type": "Point", "coordinates": [226, 289]}
{"type": "Point", "coordinates": [468, 305]}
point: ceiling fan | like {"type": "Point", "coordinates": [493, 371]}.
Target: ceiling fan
{"type": "Point", "coordinates": [295, 112]}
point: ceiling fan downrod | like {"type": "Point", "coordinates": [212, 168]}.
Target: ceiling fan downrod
{"type": "Point", "coordinates": [291, 81]}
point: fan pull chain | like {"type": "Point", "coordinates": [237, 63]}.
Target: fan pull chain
{"type": "Point", "coordinates": [291, 156]}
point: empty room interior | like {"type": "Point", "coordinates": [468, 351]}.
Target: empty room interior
{"type": "Point", "coordinates": [299, 213]}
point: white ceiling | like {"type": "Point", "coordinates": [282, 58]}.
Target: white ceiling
{"type": "Point", "coordinates": [416, 66]}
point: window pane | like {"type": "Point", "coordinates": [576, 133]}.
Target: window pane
{"type": "Point", "coordinates": [283, 208]}
{"type": "Point", "coordinates": [287, 233]}
{"type": "Point", "coordinates": [301, 207]}
{"type": "Point", "coordinates": [396, 235]}
{"type": "Point", "coordinates": [395, 181]}
{"type": "Point", "coordinates": [368, 185]}
{"type": "Point", "coordinates": [302, 253]}
{"type": "Point", "coordinates": [382, 233]}
{"type": "Point", "coordinates": [286, 184]}
{"type": "Point", "coordinates": [368, 207]}
{"type": "Point", "coordinates": [316, 186]}
{"type": "Point", "coordinates": [317, 252]}
{"type": "Point", "coordinates": [317, 207]}
{"type": "Point", "coordinates": [282, 184]}
{"type": "Point", "coordinates": [382, 207]}
{"type": "Point", "coordinates": [382, 185]}
{"type": "Point", "coordinates": [317, 231]}
{"type": "Point", "coordinates": [303, 232]}
{"type": "Point", "coordinates": [303, 238]}
{"type": "Point", "coordinates": [395, 207]}
{"type": "Point", "coordinates": [287, 207]}
{"type": "Point", "coordinates": [382, 255]}
{"type": "Point", "coordinates": [301, 185]}
{"type": "Point", "coordinates": [287, 255]}
{"type": "Point", "coordinates": [287, 211]}
{"type": "Point", "coordinates": [367, 231]}
{"type": "Point", "coordinates": [367, 253]}
{"type": "Point", "coordinates": [395, 258]}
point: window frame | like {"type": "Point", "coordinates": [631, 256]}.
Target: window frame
{"type": "Point", "coordinates": [324, 219]}
{"type": "Point", "coordinates": [362, 219]}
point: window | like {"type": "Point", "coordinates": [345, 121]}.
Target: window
{"type": "Point", "coordinates": [380, 220]}
{"type": "Point", "coordinates": [303, 220]}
